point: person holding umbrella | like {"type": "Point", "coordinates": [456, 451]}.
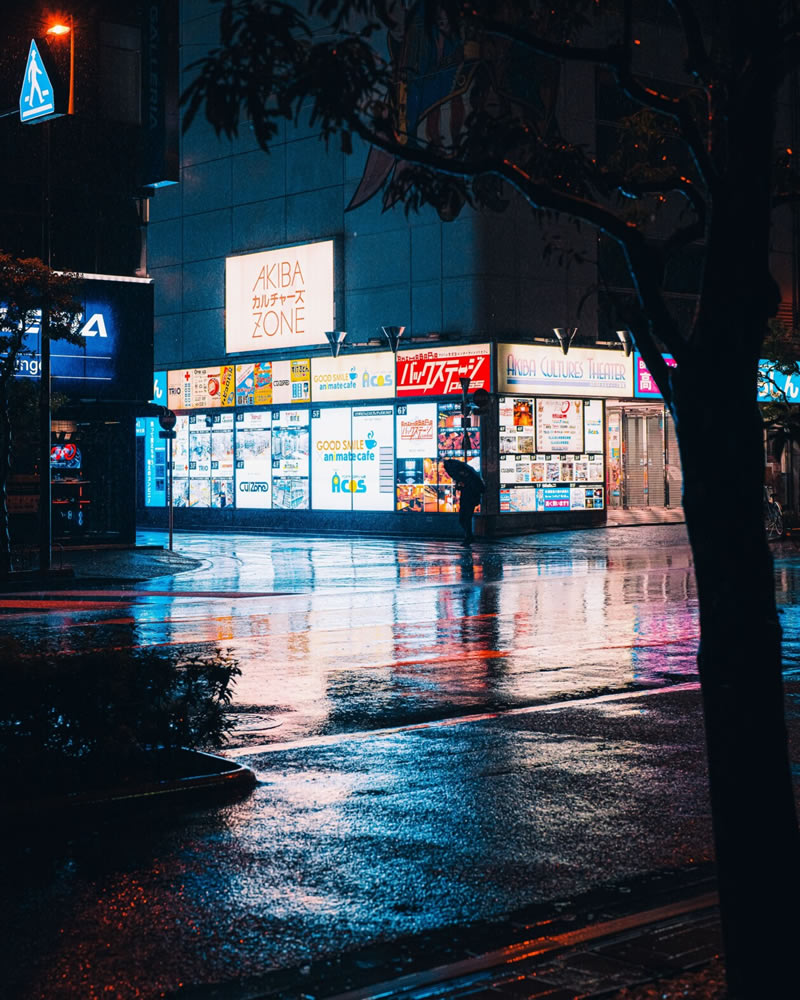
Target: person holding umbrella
{"type": "Point", "coordinates": [470, 486]}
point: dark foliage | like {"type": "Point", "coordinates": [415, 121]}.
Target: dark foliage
{"type": "Point", "coordinates": [75, 721]}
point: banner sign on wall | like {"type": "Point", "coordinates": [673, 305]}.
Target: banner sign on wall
{"type": "Point", "coordinates": [532, 368]}
{"type": "Point", "coordinates": [644, 386]}
{"type": "Point", "coordinates": [437, 371]}
{"type": "Point", "coordinates": [360, 376]}
{"type": "Point", "coordinates": [279, 299]}
{"type": "Point", "coordinates": [559, 425]}
{"type": "Point", "coordinates": [416, 431]}
{"type": "Point", "coordinates": [267, 383]}
{"type": "Point", "coordinates": [113, 358]}
{"type": "Point", "coordinates": [196, 388]}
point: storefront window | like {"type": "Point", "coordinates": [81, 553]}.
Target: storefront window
{"type": "Point", "coordinates": [428, 433]}
{"type": "Point", "coordinates": [254, 459]}
{"type": "Point", "coordinates": [551, 454]}
{"type": "Point", "coordinates": [353, 458]}
{"type": "Point", "coordinates": [290, 459]}
{"type": "Point", "coordinates": [180, 463]}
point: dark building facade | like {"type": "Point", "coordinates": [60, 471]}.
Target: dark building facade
{"type": "Point", "coordinates": [74, 195]}
{"type": "Point", "coordinates": [260, 262]}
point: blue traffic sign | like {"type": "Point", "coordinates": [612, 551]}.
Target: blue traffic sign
{"type": "Point", "coordinates": [37, 99]}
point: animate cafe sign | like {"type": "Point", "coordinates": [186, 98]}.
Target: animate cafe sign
{"type": "Point", "coordinates": [360, 376]}
{"type": "Point", "coordinates": [279, 298]}
{"type": "Point", "coordinates": [531, 369]}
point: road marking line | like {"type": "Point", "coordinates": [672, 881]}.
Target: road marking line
{"type": "Point", "coordinates": [459, 720]}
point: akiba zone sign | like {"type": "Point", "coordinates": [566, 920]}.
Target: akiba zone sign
{"type": "Point", "coordinates": [279, 298]}
{"type": "Point", "coordinates": [114, 357]}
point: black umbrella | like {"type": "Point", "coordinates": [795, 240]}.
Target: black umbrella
{"type": "Point", "coordinates": [462, 472]}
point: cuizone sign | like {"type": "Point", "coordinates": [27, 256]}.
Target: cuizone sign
{"type": "Point", "coordinates": [279, 299]}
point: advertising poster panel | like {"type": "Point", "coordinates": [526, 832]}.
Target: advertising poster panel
{"type": "Point", "coordinates": [437, 371]}
{"type": "Point", "coordinates": [201, 388]}
{"type": "Point", "coordinates": [359, 376]}
{"type": "Point", "coordinates": [593, 426]}
{"type": "Point", "coordinates": [416, 467]}
{"type": "Point", "coordinates": [373, 464]}
{"type": "Point", "coordinates": [180, 448]}
{"type": "Point", "coordinates": [199, 493]}
{"type": "Point", "coordinates": [516, 425]}
{"type": "Point", "coordinates": [559, 425]}
{"type": "Point", "coordinates": [291, 381]}
{"type": "Point", "coordinates": [529, 499]}
{"type": "Point", "coordinates": [199, 450]}
{"type": "Point", "coordinates": [558, 463]}
{"type": "Point", "coordinates": [534, 369]}
{"type": "Point", "coordinates": [253, 459]}
{"type": "Point", "coordinates": [331, 461]}
{"type": "Point", "coordinates": [290, 459]}
{"type": "Point", "coordinates": [279, 299]}
{"type": "Point", "coordinates": [222, 460]}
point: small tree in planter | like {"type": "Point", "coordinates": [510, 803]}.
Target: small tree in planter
{"type": "Point", "coordinates": [75, 723]}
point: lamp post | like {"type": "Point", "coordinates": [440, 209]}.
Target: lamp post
{"type": "Point", "coordinates": [45, 421]}
{"type": "Point", "coordinates": [59, 29]}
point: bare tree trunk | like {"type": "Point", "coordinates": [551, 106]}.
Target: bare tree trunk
{"type": "Point", "coordinates": [752, 798]}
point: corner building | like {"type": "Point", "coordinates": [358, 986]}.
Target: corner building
{"type": "Point", "coordinates": [260, 263]}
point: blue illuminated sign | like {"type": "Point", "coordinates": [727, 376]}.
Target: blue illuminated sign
{"type": "Point", "coordinates": [114, 357]}
{"type": "Point", "coordinates": [774, 386]}
{"type": "Point", "coordinates": [39, 98]}
{"type": "Point", "coordinates": [155, 465]}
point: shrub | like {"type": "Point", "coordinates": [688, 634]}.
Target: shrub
{"type": "Point", "coordinates": [91, 718]}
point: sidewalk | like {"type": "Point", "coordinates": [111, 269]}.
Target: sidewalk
{"type": "Point", "coordinates": [657, 938]}
{"type": "Point", "coordinates": [619, 517]}
{"type": "Point", "coordinates": [100, 565]}
{"type": "Point", "coordinates": [665, 953]}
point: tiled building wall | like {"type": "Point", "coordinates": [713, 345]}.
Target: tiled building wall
{"type": "Point", "coordinates": [479, 275]}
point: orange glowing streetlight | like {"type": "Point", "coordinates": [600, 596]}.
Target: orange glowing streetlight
{"type": "Point", "coordinates": [58, 29]}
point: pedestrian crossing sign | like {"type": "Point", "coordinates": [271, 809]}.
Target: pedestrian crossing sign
{"type": "Point", "coordinates": [41, 96]}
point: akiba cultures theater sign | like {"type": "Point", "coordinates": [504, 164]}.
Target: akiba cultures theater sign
{"type": "Point", "coordinates": [528, 368]}
{"type": "Point", "coordinates": [279, 298]}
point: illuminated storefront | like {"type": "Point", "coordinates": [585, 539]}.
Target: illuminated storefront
{"type": "Point", "coordinates": [359, 440]}
{"type": "Point", "coordinates": [644, 468]}
{"type": "Point", "coordinates": [98, 384]}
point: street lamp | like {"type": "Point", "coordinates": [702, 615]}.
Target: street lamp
{"type": "Point", "coordinates": [45, 415]}
{"type": "Point", "coordinates": [565, 335]}
{"type": "Point", "coordinates": [626, 339]}
{"type": "Point", "coordinates": [336, 338]}
{"type": "Point", "coordinates": [58, 29]}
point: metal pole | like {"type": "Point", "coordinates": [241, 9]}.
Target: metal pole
{"type": "Point", "coordinates": [45, 497]}
{"type": "Point", "coordinates": [169, 488]}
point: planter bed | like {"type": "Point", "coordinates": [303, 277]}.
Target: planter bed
{"type": "Point", "coordinates": [178, 777]}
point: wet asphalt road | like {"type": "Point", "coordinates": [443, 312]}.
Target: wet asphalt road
{"type": "Point", "coordinates": [440, 736]}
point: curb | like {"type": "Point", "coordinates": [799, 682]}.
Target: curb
{"type": "Point", "coordinates": [216, 777]}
